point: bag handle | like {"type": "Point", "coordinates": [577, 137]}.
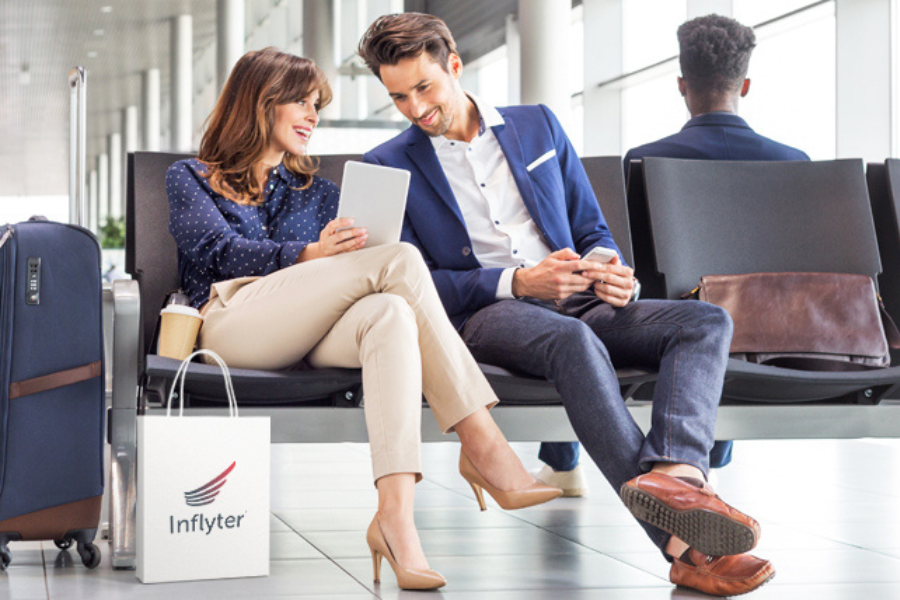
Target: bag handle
{"type": "Point", "coordinates": [182, 374]}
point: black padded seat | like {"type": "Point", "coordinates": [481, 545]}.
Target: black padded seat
{"type": "Point", "coordinates": [257, 388]}
{"type": "Point", "coordinates": [884, 193]}
{"type": "Point", "coordinates": [605, 175]}
{"type": "Point", "coordinates": [151, 258]}
{"type": "Point", "coordinates": [645, 269]}
{"type": "Point", "coordinates": [729, 217]}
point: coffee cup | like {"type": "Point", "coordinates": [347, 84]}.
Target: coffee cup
{"type": "Point", "coordinates": [179, 326]}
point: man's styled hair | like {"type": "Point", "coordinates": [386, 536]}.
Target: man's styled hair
{"type": "Point", "coordinates": [715, 53]}
{"type": "Point", "coordinates": [392, 38]}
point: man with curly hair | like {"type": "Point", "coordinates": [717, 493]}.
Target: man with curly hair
{"type": "Point", "coordinates": [714, 57]}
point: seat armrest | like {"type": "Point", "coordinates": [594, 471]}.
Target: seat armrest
{"type": "Point", "coordinates": [123, 422]}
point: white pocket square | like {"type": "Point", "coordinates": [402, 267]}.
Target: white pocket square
{"type": "Point", "coordinates": [541, 160]}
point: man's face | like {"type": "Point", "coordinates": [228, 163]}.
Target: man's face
{"type": "Point", "coordinates": [425, 93]}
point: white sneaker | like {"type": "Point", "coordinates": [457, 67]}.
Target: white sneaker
{"type": "Point", "coordinates": [572, 483]}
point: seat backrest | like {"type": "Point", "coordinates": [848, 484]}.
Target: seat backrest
{"type": "Point", "coordinates": [645, 268]}
{"type": "Point", "coordinates": [150, 253]}
{"type": "Point", "coordinates": [884, 193]}
{"type": "Point", "coordinates": [605, 175]}
{"type": "Point", "coordinates": [729, 217]}
{"type": "Point", "coordinates": [151, 256]}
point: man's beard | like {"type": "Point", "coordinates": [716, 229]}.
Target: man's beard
{"type": "Point", "coordinates": [440, 126]}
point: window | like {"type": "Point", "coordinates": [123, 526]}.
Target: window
{"type": "Point", "coordinates": [651, 105]}
{"type": "Point", "coordinates": [895, 76]}
{"type": "Point", "coordinates": [792, 73]}
{"type": "Point", "coordinates": [648, 31]}
{"type": "Point", "coordinates": [756, 12]}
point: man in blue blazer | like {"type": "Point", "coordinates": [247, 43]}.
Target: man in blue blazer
{"type": "Point", "coordinates": [714, 56]}
{"type": "Point", "coordinates": [503, 213]}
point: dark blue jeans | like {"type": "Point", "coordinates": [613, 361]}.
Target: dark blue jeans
{"type": "Point", "coordinates": [720, 455]}
{"type": "Point", "coordinates": [560, 456]}
{"type": "Point", "coordinates": [578, 344]}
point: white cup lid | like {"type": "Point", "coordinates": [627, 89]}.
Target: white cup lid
{"type": "Point", "coordinates": [180, 309]}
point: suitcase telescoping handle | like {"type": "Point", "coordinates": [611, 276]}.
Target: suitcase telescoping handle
{"type": "Point", "coordinates": [77, 147]}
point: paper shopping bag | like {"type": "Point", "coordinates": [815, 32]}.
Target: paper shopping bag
{"type": "Point", "coordinates": [203, 493]}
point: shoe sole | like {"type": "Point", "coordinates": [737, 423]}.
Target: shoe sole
{"type": "Point", "coordinates": [701, 529]}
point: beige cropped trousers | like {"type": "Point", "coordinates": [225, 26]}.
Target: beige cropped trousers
{"type": "Point", "coordinates": [376, 309]}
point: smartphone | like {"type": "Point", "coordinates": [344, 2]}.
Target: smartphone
{"type": "Point", "coordinates": [600, 254]}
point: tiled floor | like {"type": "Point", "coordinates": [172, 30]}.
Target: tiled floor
{"type": "Point", "coordinates": [829, 511]}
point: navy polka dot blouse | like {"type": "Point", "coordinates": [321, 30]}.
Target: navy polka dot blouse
{"type": "Point", "coordinates": [219, 239]}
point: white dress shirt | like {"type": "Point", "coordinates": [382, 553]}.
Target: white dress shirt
{"type": "Point", "coordinates": [502, 231]}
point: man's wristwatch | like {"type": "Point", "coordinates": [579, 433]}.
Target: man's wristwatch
{"type": "Point", "coordinates": [636, 290]}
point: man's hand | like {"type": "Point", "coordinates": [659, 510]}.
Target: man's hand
{"type": "Point", "coordinates": [554, 278]}
{"type": "Point", "coordinates": [613, 282]}
{"type": "Point", "coordinates": [331, 241]}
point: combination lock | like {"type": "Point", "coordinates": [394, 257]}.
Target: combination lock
{"type": "Point", "coordinates": [33, 284]}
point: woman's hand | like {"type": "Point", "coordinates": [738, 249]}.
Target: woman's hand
{"type": "Point", "coordinates": [332, 241]}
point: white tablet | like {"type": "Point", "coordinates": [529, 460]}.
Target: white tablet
{"type": "Point", "coordinates": [375, 197]}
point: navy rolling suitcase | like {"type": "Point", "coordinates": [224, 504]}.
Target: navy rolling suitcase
{"type": "Point", "coordinates": [51, 387]}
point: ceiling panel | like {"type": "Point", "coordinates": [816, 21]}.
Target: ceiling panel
{"type": "Point", "coordinates": [116, 41]}
{"type": "Point", "coordinates": [42, 40]}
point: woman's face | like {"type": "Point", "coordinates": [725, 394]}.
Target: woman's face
{"type": "Point", "coordinates": [294, 124]}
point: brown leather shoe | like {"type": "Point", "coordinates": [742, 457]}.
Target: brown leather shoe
{"type": "Point", "coordinates": [692, 513]}
{"type": "Point", "coordinates": [720, 575]}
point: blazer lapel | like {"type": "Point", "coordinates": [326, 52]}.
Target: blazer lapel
{"type": "Point", "coordinates": [512, 148]}
{"type": "Point", "coordinates": [422, 154]}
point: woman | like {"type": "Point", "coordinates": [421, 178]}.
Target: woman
{"type": "Point", "coordinates": [278, 279]}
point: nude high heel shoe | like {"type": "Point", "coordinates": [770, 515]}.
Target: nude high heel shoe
{"type": "Point", "coordinates": [407, 579]}
{"type": "Point", "coordinates": [530, 495]}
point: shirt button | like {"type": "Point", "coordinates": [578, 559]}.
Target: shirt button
{"type": "Point", "coordinates": [466, 251]}
{"type": "Point", "coordinates": [452, 143]}
{"type": "Point", "coordinates": [482, 185]}
{"type": "Point", "coordinates": [496, 222]}
{"type": "Point", "coordinates": [515, 251]}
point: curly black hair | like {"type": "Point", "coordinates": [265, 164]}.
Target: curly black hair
{"type": "Point", "coordinates": [715, 53]}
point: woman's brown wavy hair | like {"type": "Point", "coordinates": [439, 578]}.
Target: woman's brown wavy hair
{"type": "Point", "coordinates": [239, 129]}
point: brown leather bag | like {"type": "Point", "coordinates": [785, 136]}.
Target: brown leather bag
{"type": "Point", "coordinates": [811, 321]}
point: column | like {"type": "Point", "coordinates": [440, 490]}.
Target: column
{"type": "Point", "coordinates": [603, 62]}
{"type": "Point", "coordinates": [353, 22]}
{"type": "Point", "coordinates": [544, 24]}
{"type": "Point", "coordinates": [319, 45]}
{"type": "Point", "coordinates": [514, 60]}
{"type": "Point", "coordinates": [182, 78]}
{"type": "Point", "coordinates": [93, 203]}
{"type": "Point", "coordinates": [130, 143]}
{"type": "Point", "coordinates": [102, 189]}
{"type": "Point", "coordinates": [114, 148]}
{"type": "Point", "coordinates": [229, 38]}
{"type": "Point", "coordinates": [863, 79]}
{"type": "Point", "coordinates": [150, 107]}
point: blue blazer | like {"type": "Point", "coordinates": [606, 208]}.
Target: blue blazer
{"type": "Point", "coordinates": [556, 193]}
{"type": "Point", "coordinates": [716, 136]}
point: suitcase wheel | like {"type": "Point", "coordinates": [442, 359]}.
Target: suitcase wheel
{"type": "Point", "coordinates": [5, 558]}
{"type": "Point", "coordinates": [90, 555]}
{"type": "Point", "coordinates": [63, 544]}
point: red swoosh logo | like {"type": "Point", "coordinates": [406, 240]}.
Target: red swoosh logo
{"type": "Point", "coordinates": [206, 493]}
